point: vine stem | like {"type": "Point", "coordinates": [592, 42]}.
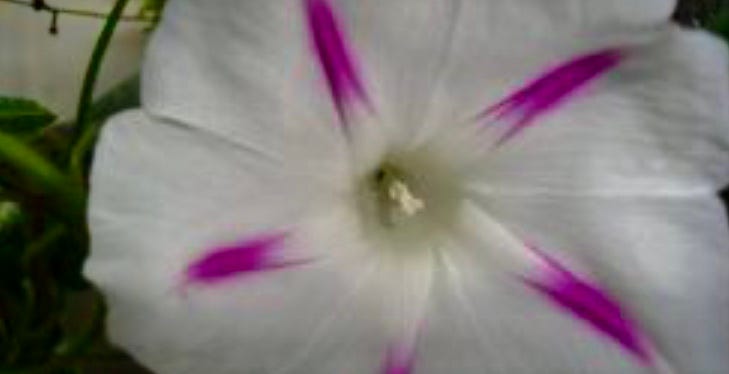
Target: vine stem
{"type": "Point", "coordinates": [73, 12]}
{"type": "Point", "coordinates": [41, 171]}
{"type": "Point", "coordinates": [83, 125]}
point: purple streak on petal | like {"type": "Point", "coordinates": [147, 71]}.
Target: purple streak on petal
{"type": "Point", "coordinates": [551, 89]}
{"type": "Point", "coordinates": [334, 55]}
{"type": "Point", "coordinates": [399, 359]}
{"type": "Point", "coordinates": [591, 304]}
{"type": "Point", "coordinates": [248, 256]}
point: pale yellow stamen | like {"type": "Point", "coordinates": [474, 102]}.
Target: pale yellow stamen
{"type": "Point", "coordinates": [398, 201]}
{"type": "Point", "coordinates": [400, 194]}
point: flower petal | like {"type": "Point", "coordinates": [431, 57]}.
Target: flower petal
{"type": "Point", "coordinates": [335, 56]}
{"type": "Point", "coordinates": [522, 108]}
{"type": "Point", "coordinates": [664, 258]}
{"type": "Point", "coordinates": [490, 54]}
{"type": "Point", "coordinates": [253, 60]}
{"type": "Point", "coordinates": [399, 359]}
{"type": "Point", "coordinates": [161, 194]}
{"type": "Point", "coordinates": [483, 319]}
{"type": "Point", "coordinates": [403, 45]}
{"type": "Point", "coordinates": [589, 302]}
{"type": "Point", "coordinates": [252, 255]}
{"type": "Point", "coordinates": [655, 126]}
{"type": "Point", "coordinates": [416, 51]}
{"type": "Point", "coordinates": [404, 286]}
{"type": "Point", "coordinates": [246, 60]}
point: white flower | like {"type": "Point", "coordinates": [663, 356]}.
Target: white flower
{"type": "Point", "coordinates": [319, 186]}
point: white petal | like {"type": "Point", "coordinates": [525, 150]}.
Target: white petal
{"type": "Point", "coordinates": [211, 65]}
{"type": "Point", "coordinates": [497, 44]}
{"type": "Point", "coordinates": [403, 46]}
{"type": "Point", "coordinates": [658, 125]}
{"type": "Point", "coordinates": [163, 193]}
{"type": "Point", "coordinates": [497, 325]}
{"type": "Point", "coordinates": [484, 318]}
{"type": "Point", "coordinates": [665, 259]}
{"type": "Point", "coordinates": [215, 65]}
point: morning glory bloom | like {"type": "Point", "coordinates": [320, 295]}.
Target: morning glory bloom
{"type": "Point", "coordinates": [419, 186]}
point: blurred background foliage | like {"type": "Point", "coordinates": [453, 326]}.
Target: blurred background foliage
{"type": "Point", "coordinates": [51, 319]}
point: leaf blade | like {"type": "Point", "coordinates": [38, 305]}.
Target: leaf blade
{"type": "Point", "coordinates": [20, 116]}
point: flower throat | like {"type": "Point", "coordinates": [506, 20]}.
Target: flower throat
{"type": "Point", "coordinates": [398, 200]}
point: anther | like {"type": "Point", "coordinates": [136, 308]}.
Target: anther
{"type": "Point", "coordinates": [400, 194]}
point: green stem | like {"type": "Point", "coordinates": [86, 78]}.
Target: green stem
{"type": "Point", "coordinates": [37, 247]}
{"type": "Point", "coordinates": [77, 344]}
{"type": "Point", "coordinates": [83, 125]}
{"type": "Point", "coordinates": [41, 171]}
{"type": "Point", "coordinates": [79, 151]}
{"type": "Point", "coordinates": [123, 96]}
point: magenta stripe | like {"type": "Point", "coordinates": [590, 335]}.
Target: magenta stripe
{"type": "Point", "coordinates": [253, 255]}
{"type": "Point", "coordinates": [551, 89]}
{"type": "Point", "coordinates": [399, 359]}
{"type": "Point", "coordinates": [335, 56]}
{"type": "Point", "coordinates": [590, 303]}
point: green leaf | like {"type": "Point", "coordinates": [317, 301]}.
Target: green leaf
{"type": "Point", "coordinates": [11, 240]}
{"type": "Point", "coordinates": [719, 23]}
{"type": "Point", "coordinates": [22, 116]}
{"type": "Point", "coordinates": [38, 169]}
{"type": "Point", "coordinates": [10, 215]}
{"type": "Point", "coordinates": [124, 95]}
{"type": "Point", "coordinates": [153, 7]}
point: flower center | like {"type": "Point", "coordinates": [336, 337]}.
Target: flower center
{"type": "Point", "coordinates": [396, 198]}
{"type": "Point", "coordinates": [408, 203]}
